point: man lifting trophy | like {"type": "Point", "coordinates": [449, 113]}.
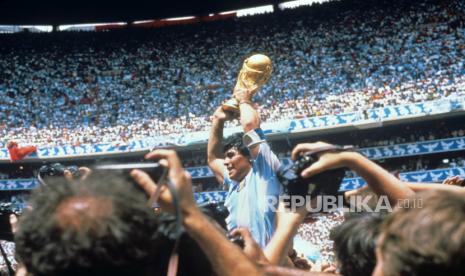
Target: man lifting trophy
{"type": "Point", "coordinates": [255, 72]}
{"type": "Point", "coordinates": [244, 162]}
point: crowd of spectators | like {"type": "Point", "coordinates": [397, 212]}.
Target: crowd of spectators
{"type": "Point", "coordinates": [316, 230]}
{"type": "Point", "coordinates": [73, 88]}
{"type": "Point", "coordinates": [9, 248]}
{"type": "Point", "coordinates": [417, 164]}
{"type": "Point", "coordinates": [407, 135]}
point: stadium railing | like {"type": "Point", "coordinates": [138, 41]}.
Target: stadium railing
{"type": "Point", "coordinates": [437, 175]}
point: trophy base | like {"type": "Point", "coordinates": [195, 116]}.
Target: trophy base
{"type": "Point", "coordinates": [231, 105]}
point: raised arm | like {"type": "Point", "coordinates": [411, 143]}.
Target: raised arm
{"type": "Point", "coordinates": [225, 257]}
{"type": "Point", "coordinates": [377, 178]}
{"type": "Point", "coordinates": [420, 187]}
{"type": "Point", "coordinates": [287, 223]}
{"type": "Point", "coordinates": [249, 117]}
{"type": "Point", "coordinates": [414, 186]}
{"type": "Point", "coordinates": [215, 147]}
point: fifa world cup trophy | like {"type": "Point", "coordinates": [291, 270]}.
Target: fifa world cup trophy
{"type": "Point", "coordinates": [255, 72]}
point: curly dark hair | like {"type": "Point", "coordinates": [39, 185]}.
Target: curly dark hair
{"type": "Point", "coordinates": [355, 243]}
{"type": "Point", "coordinates": [102, 226]}
{"type": "Point", "coordinates": [235, 141]}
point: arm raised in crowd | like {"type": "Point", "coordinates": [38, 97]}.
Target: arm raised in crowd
{"type": "Point", "coordinates": [249, 117]}
{"type": "Point", "coordinates": [215, 148]}
{"type": "Point", "coordinates": [451, 184]}
{"type": "Point", "coordinates": [225, 257]}
{"type": "Point", "coordinates": [377, 178]}
{"type": "Point", "coordinates": [420, 187]}
{"type": "Point", "coordinates": [287, 223]}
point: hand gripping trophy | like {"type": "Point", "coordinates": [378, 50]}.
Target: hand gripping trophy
{"type": "Point", "coordinates": [255, 72]}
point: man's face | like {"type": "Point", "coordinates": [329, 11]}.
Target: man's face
{"type": "Point", "coordinates": [237, 164]}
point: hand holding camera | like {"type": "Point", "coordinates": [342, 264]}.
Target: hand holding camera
{"type": "Point", "coordinates": [318, 169]}
{"type": "Point", "coordinates": [328, 157]}
{"type": "Point", "coordinates": [180, 179]}
{"type": "Point", "coordinates": [243, 238]}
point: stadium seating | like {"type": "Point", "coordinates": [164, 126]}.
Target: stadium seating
{"type": "Point", "coordinates": [85, 88]}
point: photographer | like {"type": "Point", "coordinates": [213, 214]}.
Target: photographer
{"type": "Point", "coordinates": [100, 226]}
{"type": "Point", "coordinates": [378, 179]}
{"type": "Point", "coordinates": [94, 227]}
{"type": "Point", "coordinates": [329, 158]}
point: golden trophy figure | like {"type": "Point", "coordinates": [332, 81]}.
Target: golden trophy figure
{"type": "Point", "coordinates": [255, 72]}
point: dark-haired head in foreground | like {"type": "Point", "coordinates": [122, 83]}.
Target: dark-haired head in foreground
{"type": "Point", "coordinates": [427, 240]}
{"type": "Point", "coordinates": [102, 226]}
{"type": "Point", "coordinates": [355, 242]}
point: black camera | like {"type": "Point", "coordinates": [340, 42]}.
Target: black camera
{"type": "Point", "coordinates": [7, 208]}
{"type": "Point", "coordinates": [57, 169]}
{"type": "Point", "coordinates": [217, 211]}
{"type": "Point", "coordinates": [325, 183]}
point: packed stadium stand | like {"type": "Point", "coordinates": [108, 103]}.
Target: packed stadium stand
{"type": "Point", "coordinates": [330, 59]}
